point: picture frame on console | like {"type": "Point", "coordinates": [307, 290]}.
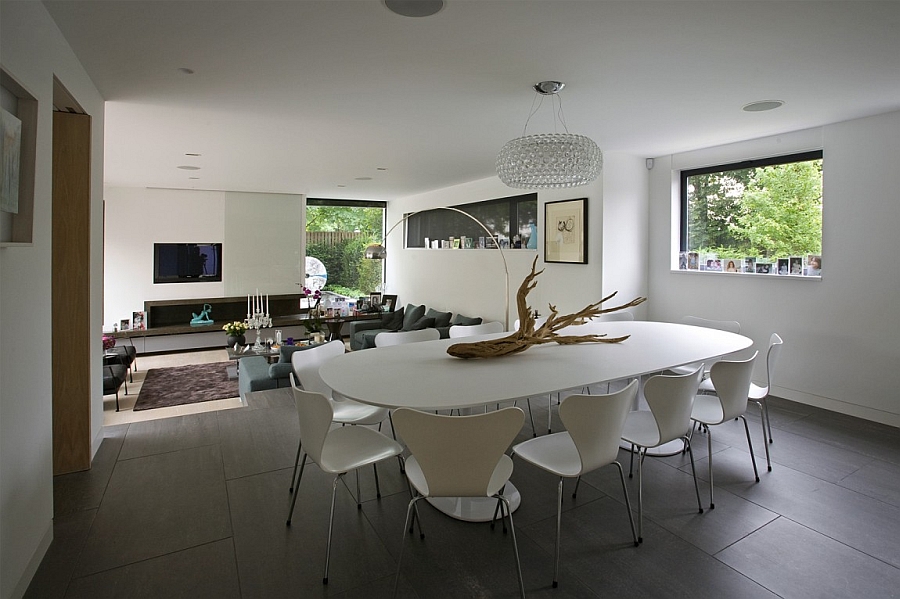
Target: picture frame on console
{"type": "Point", "coordinates": [389, 303]}
{"type": "Point", "coordinates": [565, 231]}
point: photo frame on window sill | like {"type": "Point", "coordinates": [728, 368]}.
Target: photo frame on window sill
{"type": "Point", "coordinates": [565, 231]}
{"type": "Point", "coordinates": [389, 303]}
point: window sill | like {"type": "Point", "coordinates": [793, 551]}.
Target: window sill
{"type": "Point", "coordinates": [713, 273]}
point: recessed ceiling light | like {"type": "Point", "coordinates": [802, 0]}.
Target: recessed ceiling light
{"type": "Point", "coordinates": [364, 178]}
{"type": "Point", "coordinates": [414, 8]}
{"type": "Point", "coordinates": [193, 177]}
{"type": "Point", "coordinates": [342, 186]}
{"type": "Point", "coordinates": [186, 167]}
{"type": "Point", "coordinates": [762, 105]}
{"type": "Point", "coordinates": [186, 70]}
{"type": "Point", "coordinates": [380, 168]}
{"type": "Point", "coordinates": [192, 154]}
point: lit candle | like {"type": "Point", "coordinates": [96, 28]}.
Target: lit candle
{"type": "Point", "coordinates": [248, 305]}
{"type": "Point", "coordinates": [267, 304]}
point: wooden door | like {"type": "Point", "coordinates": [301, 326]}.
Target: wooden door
{"type": "Point", "coordinates": [71, 293]}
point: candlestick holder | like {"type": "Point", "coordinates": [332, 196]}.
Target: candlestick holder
{"type": "Point", "coordinates": [258, 320]}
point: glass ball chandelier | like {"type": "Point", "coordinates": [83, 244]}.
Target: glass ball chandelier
{"type": "Point", "coordinates": [549, 160]}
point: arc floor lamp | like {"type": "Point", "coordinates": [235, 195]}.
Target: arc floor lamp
{"type": "Point", "coordinates": [377, 251]}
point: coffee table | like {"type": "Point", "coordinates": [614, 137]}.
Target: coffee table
{"type": "Point", "coordinates": [237, 355]}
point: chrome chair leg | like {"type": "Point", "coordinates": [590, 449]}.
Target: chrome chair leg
{"type": "Point", "coordinates": [627, 502]}
{"type": "Point", "coordinates": [762, 419]}
{"type": "Point", "coordinates": [296, 463]}
{"type": "Point", "coordinates": [750, 445]}
{"type": "Point", "coordinates": [296, 490]}
{"type": "Point", "coordinates": [330, 527]}
{"type": "Point", "coordinates": [690, 450]}
{"type": "Point", "coordinates": [512, 530]}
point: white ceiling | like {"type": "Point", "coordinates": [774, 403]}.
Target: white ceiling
{"type": "Point", "coordinates": [315, 96]}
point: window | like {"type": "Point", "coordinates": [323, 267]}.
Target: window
{"type": "Point", "coordinates": [761, 216]}
{"type": "Point", "coordinates": [337, 233]}
{"type": "Point", "coordinates": [441, 225]}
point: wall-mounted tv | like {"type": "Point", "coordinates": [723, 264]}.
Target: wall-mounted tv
{"type": "Point", "coordinates": [187, 262]}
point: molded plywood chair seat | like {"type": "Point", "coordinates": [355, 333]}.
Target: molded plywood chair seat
{"type": "Point", "coordinates": [336, 451]}
{"type": "Point", "coordinates": [306, 376]}
{"type": "Point", "coordinates": [459, 330]}
{"type": "Point", "coordinates": [732, 326]}
{"type": "Point", "coordinates": [731, 380]}
{"type": "Point", "coordinates": [459, 456]}
{"type": "Point", "coordinates": [401, 337]}
{"type": "Point", "coordinates": [671, 399]}
{"type": "Point", "coordinates": [591, 440]}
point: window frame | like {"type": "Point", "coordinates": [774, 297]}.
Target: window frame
{"type": "Point", "coordinates": [685, 174]}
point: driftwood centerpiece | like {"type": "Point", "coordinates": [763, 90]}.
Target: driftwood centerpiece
{"type": "Point", "coordinates": [527, 335]}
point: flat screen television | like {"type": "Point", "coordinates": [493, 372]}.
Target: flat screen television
{"type": "Point", "coordinates": [187, 262]}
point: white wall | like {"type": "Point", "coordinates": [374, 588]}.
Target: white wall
{"type": "Point", "coordinates": [471, 282]}
{"type": "Point", "coordinates": [32, 50]}
{"type": "Point", "coordinates": [841, 333]}
{"type": "Point", "coordinates": [261, 235]}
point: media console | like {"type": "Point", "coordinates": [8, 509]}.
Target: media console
{"type": "Point", "coordinates": [169, 328]}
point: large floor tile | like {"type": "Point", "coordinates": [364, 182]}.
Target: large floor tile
{"type": "Point", "coordinates": [84, 490]}
{"type": "Point", "coordinates": [156, 505]}
{"type": "Point", "coordinates": [877, 479]}
{"type": "Point", "coordinates": [204, 572]}
{"type": "Point", "coordinates": [276, 560]}
{"type": "Point", "coordinates": [794, 561]}
{"type": "Point", "coordinates": [70, 532]}
{"type": "Point", "coordinates": [257, 441]}
{"type": "Point", "coordinates": [868, 525]}
{"type": "Point", "coordinates": [596, 548]}
{"type": "Point", "coordinates": [169, 434]}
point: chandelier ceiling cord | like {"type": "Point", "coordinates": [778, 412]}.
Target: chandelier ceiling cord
{"type": "Point", "coordinates": [549, 160]}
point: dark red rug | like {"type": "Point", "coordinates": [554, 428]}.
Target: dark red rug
{"type": "Point", "coordinates": [179, 385]}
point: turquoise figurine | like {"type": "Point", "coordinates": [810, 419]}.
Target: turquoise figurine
{"type": "Point", "coordinates": [203, 317]}
{"type": "Point", "coordinates": [532, 238]}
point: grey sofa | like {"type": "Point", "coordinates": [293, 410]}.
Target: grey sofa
{"type": "Point", "coordinates": [411, 318]}
{"type": "Point", "coordinates": [256, 374]}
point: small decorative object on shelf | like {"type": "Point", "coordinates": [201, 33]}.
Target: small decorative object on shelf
{"type": "Point", "coordinates": [235, 331]}
{"type": "Point", "coordinates": [202, 318]}
{"type": "Point", "coordinates": [109, 342]}
{"type": "Point", "coordinates": [258, 317]}
{"type": "Point", "coordinates": [527, 335]}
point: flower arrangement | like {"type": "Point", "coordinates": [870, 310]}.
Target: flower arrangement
{"type": "Point", "coordinates": [314, 295]}
{"type": "Point", "coordinates": [108, 342]}
{"type": "Point", "coordinates": [235, 329]}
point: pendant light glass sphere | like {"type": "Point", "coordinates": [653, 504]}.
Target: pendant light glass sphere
{"type": "Point", "coordinates": [549, 160]}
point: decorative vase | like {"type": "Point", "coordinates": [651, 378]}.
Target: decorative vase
{"type": "Point", "coordinates": [231, 340]}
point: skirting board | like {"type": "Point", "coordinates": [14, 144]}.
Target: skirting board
{"type": "Point", "coordinates": [838, 406]}
{"type": "Point", "coordinates": [34, 562]}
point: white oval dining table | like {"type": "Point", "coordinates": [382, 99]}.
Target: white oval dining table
{"type": "Point", "coordinates": [424, 376]}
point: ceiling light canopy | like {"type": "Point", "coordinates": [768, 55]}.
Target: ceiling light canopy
{"type": "Point", "coordinates": [763, 105]}
{"type": "Point", "coordinates": [414, 8]}
{"type": "Point", "coordinates": [549, 160]}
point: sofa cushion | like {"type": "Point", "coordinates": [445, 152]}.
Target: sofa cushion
{"type": "Point", "coordinates": [411, 316]}
{"type": "Point", "coordinates": [280, 370]}
{"type": "Point", "coordinates": [286, 351]}
{"type": "Point", "coordinates": [441, 319]}
{"type": "Point", "coordinates": [392, 321]}
{"type": "Point", "coordinates": [464, 320]}
{"type": "Point", "coordinates": [426, 322]}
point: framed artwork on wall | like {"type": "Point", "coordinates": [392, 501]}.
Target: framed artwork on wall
{"type": "Point", "coordinates": [565, 231]}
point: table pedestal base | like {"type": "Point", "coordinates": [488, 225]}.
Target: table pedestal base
{"type": "Point", "coordinates": [475, 509]}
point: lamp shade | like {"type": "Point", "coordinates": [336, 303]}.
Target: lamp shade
{"type": "Point", "coordinates": [549, 160]}
{"type": "Point", "coordinates": [376, 251]}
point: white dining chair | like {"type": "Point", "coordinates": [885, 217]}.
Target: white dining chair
{"type": "Point", "coordinates": [388, 339]}
{"type": "Point", "coordinates": [671, 398]}
{"type": "Point", "coordinates": [731, 380]}
{"type": "Point", "coordinates": [305, 375]}
{"type": "Point", "coordinates": [731, 326]}
{"type": "Point", "coordinates": [336, 451]}
{"type": "Point", "coordinates": [485, 328]}
{"type": "Point", "coordinates": [759, 394]}
{"type": "Point", "coordinates": [458, 456]}
{"type": "Point", "coordinates": [591, 440]}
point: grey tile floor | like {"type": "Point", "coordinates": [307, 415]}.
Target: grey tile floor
{"type": "Point", "coordinates": [194, 506]}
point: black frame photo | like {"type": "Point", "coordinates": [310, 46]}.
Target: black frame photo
{"type": "Point", "coordinates": [566, 232]}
